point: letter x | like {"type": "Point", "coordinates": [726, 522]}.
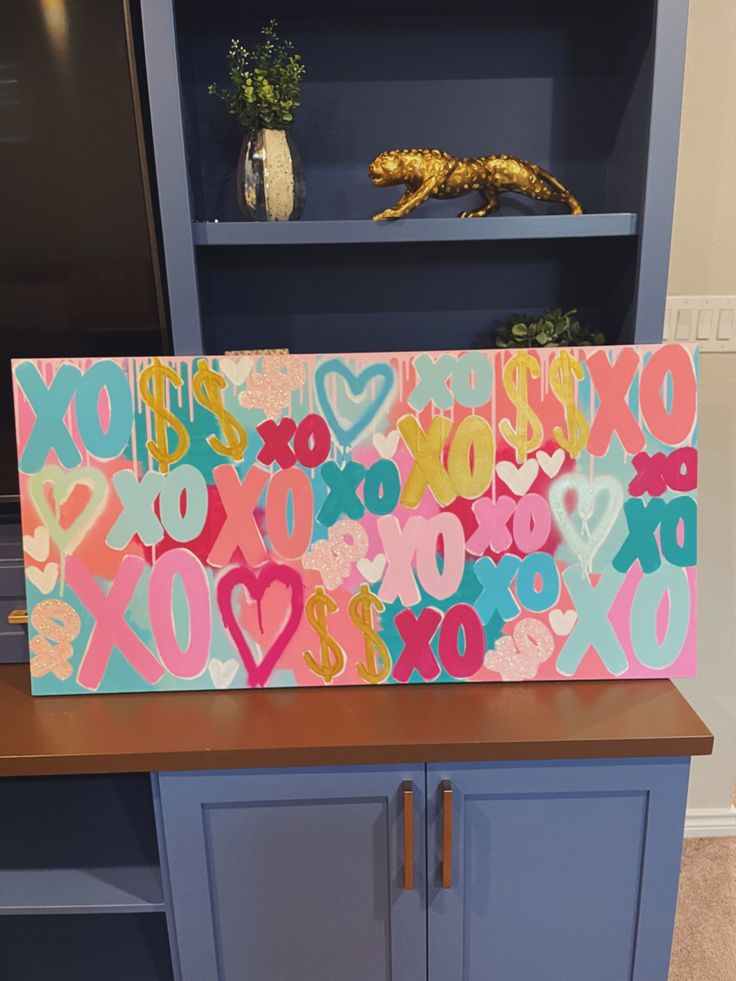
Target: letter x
{"type": "Point", "coordinates": [642, 520]}
{"type": "Point", "coordinates": [649, 477]}
{"type": "Point", "coordinates": [110, 628]}
{"type": "Point", "coordinates": [496, 596]}
{"type": "Point", "coordinates": [399, 547]}
{"type": "Point", "coordinates": [492, 532]}
{"type": "Point", "coordinates": [417, 632]}
{"type": "Point", "coordinates": [49, 406]}
{"type": "Point", "coordinates": [276, 438]}
{"type": "Point", "coordinates": [342, 486]}
{"type": "Point", "coordinates": [138, 516]}
{"type": "Point", "coordinates": [593, 628]}
{"type": "Point", "coordinates": [431, 385]}
{"type": "Point", "coordinates": [612, 383]}
{"type": "Point", "coordinates": [428, 469]}
{"type": "Point", "coordinates": [239, 529]}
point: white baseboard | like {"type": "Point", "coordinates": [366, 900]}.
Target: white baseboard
{"type": "Point", "coordinates": [710, 822]}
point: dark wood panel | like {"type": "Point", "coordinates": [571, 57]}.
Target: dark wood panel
{"type": "Point", "coordinates": [351, 726]}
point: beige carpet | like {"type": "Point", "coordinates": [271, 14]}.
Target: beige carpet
{"type": "Point", "coordinates": [705, 931]}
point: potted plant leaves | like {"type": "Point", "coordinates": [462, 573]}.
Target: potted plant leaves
{"type": "Point", "coordinates": [264, 91]}
{"type": "Point", "coordinates": [552, 329]}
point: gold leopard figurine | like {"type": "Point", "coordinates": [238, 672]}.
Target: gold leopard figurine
{"type": "Point", "coordinates": [435, 174]}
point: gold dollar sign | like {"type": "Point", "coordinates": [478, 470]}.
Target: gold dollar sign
{"type": "Point", "coordinates": [562, 374]}
{"type": "Point", "coordinates": [154, 395]}
{"type": "Point", "coordinates": [515, 381]}
{"type": "Point", "coordinates": [377, 657]}
{"type": "Point", "coordinates": [207, 386]}
{"type": "Point", "coordinates": [317, 607]}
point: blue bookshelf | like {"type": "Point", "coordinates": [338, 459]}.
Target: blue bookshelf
{"type": "Point", "coordinates": [108, 889]}
{"type": "Point", "coordinates": [415, 229]}
{"type": "Point", "coordinates": [591, 90]}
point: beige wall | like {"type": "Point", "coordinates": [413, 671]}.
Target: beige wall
{"type": "Point", "coordinates": [704, 235]}
{"type": "Point", "coordinates": [703, 262]}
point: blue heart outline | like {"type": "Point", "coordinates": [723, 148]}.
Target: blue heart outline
{"type": "Point", "coordinates": [356, 384]}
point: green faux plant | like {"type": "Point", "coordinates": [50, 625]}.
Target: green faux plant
{"type": "Point", "coordinates": [553, 329]}
{"type": "Point", "coordinates": [265, 82]}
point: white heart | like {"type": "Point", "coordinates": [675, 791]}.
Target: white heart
{"type": "Point", "coordinates": [223, 672]}
{"type": "Point", "coordinates": [372, 569]}
{"type": "Point", "coordinates": [562, 623]}
{"type": "Point", "coordinates": [551, 462]}
{"type": "Point", "coordinates": [386, 445]}
{"type": "Point", "coordinates": [236, 370]}
{"type": "Point", "coordinates": [37, 544]}
{"type": "Point", "coordinates": [518, 479]}
{"type": "Point", "coordinates": [44, 579]}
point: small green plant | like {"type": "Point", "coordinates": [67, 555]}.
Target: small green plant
{"type": "Point", "coordinates": [553, 329]}
{"type": "Point", "coordinates": [265, 82]}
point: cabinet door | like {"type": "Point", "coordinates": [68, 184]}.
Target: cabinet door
{"type": "Point", "coordinates": [297, 874]}
{"type": "Point", "coordinates": [560, 871]}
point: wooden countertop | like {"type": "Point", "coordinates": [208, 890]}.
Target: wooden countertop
{"type": "Point", "coordinates": [346, 726]}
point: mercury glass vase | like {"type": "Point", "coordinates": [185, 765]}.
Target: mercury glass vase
{"type": "Point", "coordinates": [270, 179]}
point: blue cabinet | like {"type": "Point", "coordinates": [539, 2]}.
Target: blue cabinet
{"type": "Point", "coordinates": [294, 875]}
{"type": "Point", "coordinates": [565, 871]}
{"type": "Point", "coordinates": [561, 871]}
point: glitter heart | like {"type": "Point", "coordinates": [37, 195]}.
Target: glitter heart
{"type": "Point", "coordinates": [518, 479]}
{"type": "Point", "coordinates": [62, 486]}
{"type": "Point", "coordinates": [585, 542]}
{"type": "Point", "coordinates": [37, 544]}
{"type": "Point", "coordinates": [256, 582]}
{"type": "Point", "coordinates": [222, 672]}
{"type": "Point", "coordinates": [369, 407]}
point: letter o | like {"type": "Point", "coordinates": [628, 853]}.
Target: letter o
{"type": "Point", "coordinates": [183, 523]}
{"type": "Point", "coordinates": [107, 376]}
{"type": "Point", "coordinates": [462, 617]}
{"type": "Point", "coordinates": [532, 523]}
{"type": "Point", "coordinates": [472, 480]}
{"type": "Point", "coordinates": [381, 487]}
{"type": "Point", "coordinates": [681, 469]}
{"type": "Point", "coordinates": [441, 584]}
{"type": "Point", "coordinates": [537, 599]}
{"type": "Point", "coordinates": [472, 379]}
{"type": "Point", "coordinates": [312, 441]}
{"type": "Point", "coordinates": [190, 661]}
{"type": "Point", "coordinates": [673, 426]}
{"type": "Point", "coordinates": [643, 617]}
{"type": "Point", "coordinates": [291, 544]}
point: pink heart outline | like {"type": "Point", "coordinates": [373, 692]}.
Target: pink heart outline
{"type": "Point", "coordinates": [257, 582]}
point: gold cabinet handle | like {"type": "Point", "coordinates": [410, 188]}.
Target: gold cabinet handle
{"type": "Point", "coordinates": [18, 616]}
{"type": "Point", "coordinates": [408, 835]}
{"type": "Point", "coordinates": [446, 835]}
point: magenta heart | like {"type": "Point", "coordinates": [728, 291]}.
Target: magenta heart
{"type": "Point", "coordinates": [257, 582]}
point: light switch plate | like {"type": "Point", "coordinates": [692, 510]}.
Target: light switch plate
{"type": "Point", "coordinates": [709, 321]}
